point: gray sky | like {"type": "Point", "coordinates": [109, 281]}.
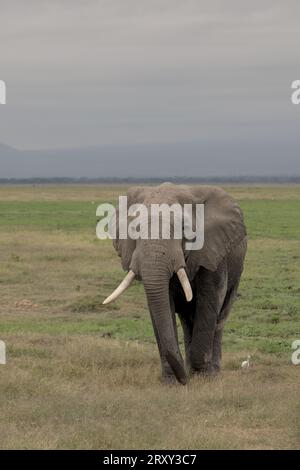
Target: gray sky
{"type": "Point", "coordinates": [87, 73]}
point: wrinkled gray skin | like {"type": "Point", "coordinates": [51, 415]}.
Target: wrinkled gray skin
{"type": "Point", "coordinates": [214, 273]}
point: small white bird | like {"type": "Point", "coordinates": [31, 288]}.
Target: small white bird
{"type": "Point", "coordinates": [246, 364]}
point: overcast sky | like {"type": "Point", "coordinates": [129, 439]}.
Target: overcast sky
{"type": "Point", "coordinates": [86, 73]}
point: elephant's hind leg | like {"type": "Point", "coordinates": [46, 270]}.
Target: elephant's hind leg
{"type": "Point", "coordinates": [217, 343]}
{"type": "Point", "coordinates": [211, 292]}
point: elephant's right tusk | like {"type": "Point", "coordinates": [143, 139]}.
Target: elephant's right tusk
{"type": "Point", "coordinates": [186, 286]}
{"type": "Point", "coordinates": [120, 289]}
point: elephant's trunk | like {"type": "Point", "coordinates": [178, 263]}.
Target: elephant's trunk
{"type": "Point", "coordinates": [156, 283]}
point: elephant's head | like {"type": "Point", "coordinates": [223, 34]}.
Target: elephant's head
{"type": "Point", "coordinates": [155, 261]}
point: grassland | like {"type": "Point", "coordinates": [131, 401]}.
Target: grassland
{"type": "Point", "coordinates": [83, 375]}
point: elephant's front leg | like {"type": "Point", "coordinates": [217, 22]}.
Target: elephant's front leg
{"type": "Point", "coordinates": [211, 290]}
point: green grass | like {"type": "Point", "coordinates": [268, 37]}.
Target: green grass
{"type": "Point", "coordinates": [63, 344]}
{"type": "Point", "coordinates": [71, 215]}
{"type": "Point", "coordinates": [272, 219]}
{"type": "Point", "coordinates": [264, 218]}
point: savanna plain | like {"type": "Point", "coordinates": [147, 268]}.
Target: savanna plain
{"type": "Point", "coordinates": [80, 374]}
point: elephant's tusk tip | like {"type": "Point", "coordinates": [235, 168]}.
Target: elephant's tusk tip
{"type": "Point", "coordinates": [123, 286]}
{"type": "Point", "coordinates": [189, 297]}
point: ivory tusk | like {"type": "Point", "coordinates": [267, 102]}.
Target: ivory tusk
{"type": "Point", "coordinates": [186, 286]}
{"type": "Point", "coordinates": [120, 289]}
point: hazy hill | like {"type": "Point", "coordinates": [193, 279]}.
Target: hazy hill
{"type": "Point", "coordinates": [200, 159]}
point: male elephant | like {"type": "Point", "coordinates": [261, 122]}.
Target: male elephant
{"type": "Point", "coordinates": [199, 285]}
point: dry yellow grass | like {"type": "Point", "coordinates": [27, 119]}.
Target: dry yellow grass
{"type": "Point", "coordinates": [90, 392]}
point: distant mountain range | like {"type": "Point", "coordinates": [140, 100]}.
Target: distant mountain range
{"type": "Point", "coordinates": [199, 160]}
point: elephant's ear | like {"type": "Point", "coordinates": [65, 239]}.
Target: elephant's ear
{"type": "Point", "coordinates": [223, 228]}
{"type": "Point", "coordinates": [125, 247]}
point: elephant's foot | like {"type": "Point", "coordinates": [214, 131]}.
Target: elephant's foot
{"type": "Point", "coordinates": [205, 370]}
{"type": "Point", "coordinates": [216, 368]}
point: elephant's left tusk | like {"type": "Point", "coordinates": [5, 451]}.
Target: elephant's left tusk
{"type": "Point", "coordinates": [186, 286]}
{"type": "Point", "coordinates": [123, 286]}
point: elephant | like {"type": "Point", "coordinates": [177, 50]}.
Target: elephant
{"type": "Point", "coordinates": [198, 285]}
